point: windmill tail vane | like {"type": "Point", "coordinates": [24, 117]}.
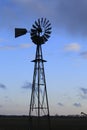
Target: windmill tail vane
{"type": "Point", "coordinates": [20, 32]}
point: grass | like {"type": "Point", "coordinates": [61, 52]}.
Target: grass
{"type": "Point", "coordinates": [56, 122]}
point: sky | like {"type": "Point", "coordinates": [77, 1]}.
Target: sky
{"type": "Point", "coordinates": [65, 52]}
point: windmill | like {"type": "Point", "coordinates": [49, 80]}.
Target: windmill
{"type": "Point", "coordinates": [39, 33]}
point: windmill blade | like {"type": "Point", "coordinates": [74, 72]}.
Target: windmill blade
{"type": "Point", "coordinates": [47, 32]}
{"type": "Point", "coordinates": [48, 29]}
{"type": "Point", "coordinates": [33, 34]}
{"type": "Point", "coordinates": [34, 26]}
{"type": "Point", "coordinates": [20, 32]}
{"type": "Point", "coordinates": [33, 30]}
{"type": "Point", "coordinates": [44, 22]}
{"type": "Point", "coordinates": [48, 25]}
{"type": "Point", "coordinates": [39, 22]}
{"type": "Point", "coordinates": [46, 35]}
{"type": "Point", "coordinates": [45, 39]}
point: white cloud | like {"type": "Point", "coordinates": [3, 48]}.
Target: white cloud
{"type": "Point", "coordinates": [3, 40]}
{"type": "Point", "coordinates": [11, 47]}
{"type": "Point", "coordinates": [72, 47]}
{"type": "Point", "coordinates": [24, 45]}
{"type": "Point", "coordinates": [27, 85]}
{"type": "Point", "coordinates": [77, 104]}
{"type": "Point", "coordinates": [60, 104]}
{"type": "Point", "coordinates": [22, 12]}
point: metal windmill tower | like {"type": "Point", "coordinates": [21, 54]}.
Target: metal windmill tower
{"type": "Point", "coordinates": [40, 33]}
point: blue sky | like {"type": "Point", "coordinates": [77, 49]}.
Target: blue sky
{"type": "Point", "coordinates": [65, 51]}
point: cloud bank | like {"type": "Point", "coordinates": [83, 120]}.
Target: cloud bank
{"type": "Point", "coordinates": [1, 106]}
{"type": "Point", "coordinates": [70, 15]}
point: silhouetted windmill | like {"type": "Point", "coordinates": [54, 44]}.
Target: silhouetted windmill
{"type": "Point", "coordinates": [39, 106]}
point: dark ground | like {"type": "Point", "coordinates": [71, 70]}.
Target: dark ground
{"type": "Point", "coordinates": [57, 123]}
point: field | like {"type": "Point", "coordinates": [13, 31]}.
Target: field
{"type": "Point", "coordinates": [56, 122]}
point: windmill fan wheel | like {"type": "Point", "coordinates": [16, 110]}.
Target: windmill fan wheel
{"type": "Point", "coordinates": [40, 31]}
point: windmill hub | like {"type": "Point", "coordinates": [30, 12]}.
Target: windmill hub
{"type": "Point", "coordinates": [39, 30]}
